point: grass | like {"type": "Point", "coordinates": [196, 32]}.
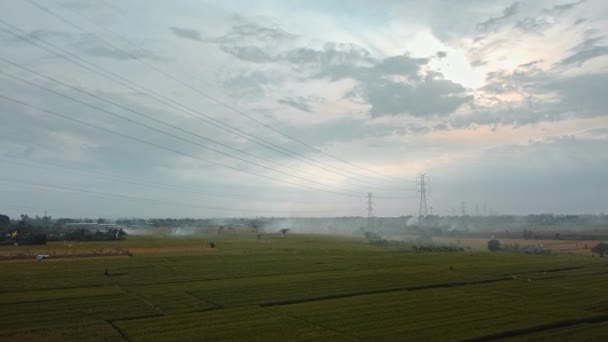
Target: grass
{"type": "Point", "coordinates": [300, 288]}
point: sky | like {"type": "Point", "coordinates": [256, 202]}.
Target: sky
{"type": "Point", "coordinates": [197, 108]}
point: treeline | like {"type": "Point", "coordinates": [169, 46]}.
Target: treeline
{"type": "Point", "coordinates": [37, 231]}
{"type": "Point", "coordinates": [422, 245]}
{"type": "Point", "coordinates": [22, 233]}
{"type": "Point", "coordinates": [83, 234]}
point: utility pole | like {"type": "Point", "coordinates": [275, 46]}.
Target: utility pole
{"type": "Point", "coordinates": [422, 211]}
{"type": "Point", "coordinates": [477, 210]}
{"type": "Point", "coordinates": [370, 212]}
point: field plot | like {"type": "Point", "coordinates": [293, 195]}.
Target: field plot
{"type": "Point", "coordinates": [302, 288]}
{"type": "Point", "coordinates": [561, 246]}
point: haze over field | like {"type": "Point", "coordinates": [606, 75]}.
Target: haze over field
{"type": "Point", "coordinates": [503, 104]}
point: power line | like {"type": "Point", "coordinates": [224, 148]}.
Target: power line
{"type": "Point", "coordinates": [23, 207]}
{"type": "Point", "coordinates": [125, 180]}
{"type": "Point", "coordinates": [166, 148]}
{"type": "Point", "coordinates": [171, 134]}
{"type": "Point", "coordinates": [129, 84]}
{"type": "Point", "coordinates": [200, 92]}
{"type": "Point", "coordinates": [160, 202]}
{"type": "Point", "coordinates": [132, 111]}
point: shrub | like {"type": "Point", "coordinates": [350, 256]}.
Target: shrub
{"type": "Point", "coordinates": [494, 245]}
{"type": "Point", "coordinates": [601, 249]}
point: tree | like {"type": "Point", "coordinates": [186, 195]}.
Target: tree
{"type": "Point", "coordinates": [601, 249]}
{"type": "Point", "coordinates": [494, 245]}
{"type": "Point", "coordinates": [283, 232]}
{"type": "Point", "coordinates": [5, 221]}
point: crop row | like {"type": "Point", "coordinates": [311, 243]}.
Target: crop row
{"type": "Point", "coordinates": [55, 294]}
{"type": "Point", "coordinates": [579, 332]}
{"type": "Point", "coordinates": [429, 314]}
{"type": "Point", "coordinates": [252, 324]}
{"type": "Point", "coordinates": [182, 273]}
{"type": "Point", "coordinates": [267, 289]}
{"type": "Point", "coordinates": [175, 302]}
{"type": "Point", "coordinates": [66, 311]}
{"type": "Point", "coordinates": [91, 331]}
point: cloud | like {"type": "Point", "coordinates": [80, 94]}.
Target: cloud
{"type": "Point", "coordinates": [251, 42]}
{"type": "Point", "coordinates": [299, 102]}
{"type": "Point", "coordinates": [249, 84]}
{"type": "Point", "coordinates": [393, 85]}
{"type": "Point", "coordinates": [330, 54]}
{"type": "Point", "coordinates": [187, 33]}
{"type": "Point", "coordinates": [252, 31]}
{"type": "Point", "coordinates": [543, 97]}
{"type": "Point", "coordinates": [250, 53]}
{"type": "Point", "coordinates": [531, 24]}
{"type": "Point", "coordinates": [583, 94]}
{"type": "Point", "coordinates": [493, 24]}
{"type": "Point", "coordinates": [589, 49]}
{"type": "Point", "coordinates": [401, 65]}
{"type": "Point", "coordinates": [561, 9]}
{"type": "Point", "coordinates": [430, 96]}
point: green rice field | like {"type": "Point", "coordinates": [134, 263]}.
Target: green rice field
{"type": "Point", "coordinates": [300, 288]}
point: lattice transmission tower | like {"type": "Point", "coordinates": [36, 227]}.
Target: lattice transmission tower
{"type": "Point", "coordinates": [422, 183]}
